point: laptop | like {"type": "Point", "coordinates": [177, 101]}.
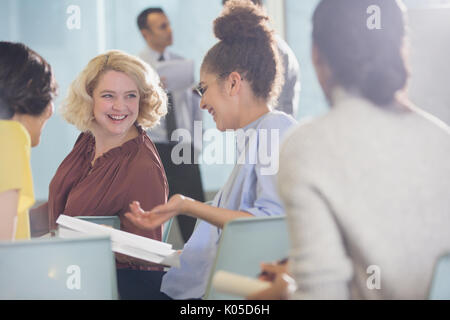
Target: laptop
{"type": "Point", "coordinates": [56, 268]}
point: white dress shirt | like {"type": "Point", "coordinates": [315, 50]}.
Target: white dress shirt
{"type": "Point", "coordinates": [179, 79]}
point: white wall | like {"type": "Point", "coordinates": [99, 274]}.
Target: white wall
{"type": "Point", "coordinates": [42, 25]}
{"type": "Point", "coordinates": [430, 60]}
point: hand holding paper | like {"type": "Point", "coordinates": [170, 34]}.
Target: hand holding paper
{"type": "Point", "coordinates": [270, 270]}
{"type": "Point", "coordinates": [281, 285]}
{"type": "Point", "coordinates": [254, 289]}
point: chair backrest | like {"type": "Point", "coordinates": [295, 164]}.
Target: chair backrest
{"type": "Point", "coordinates": [244, 244]}
{"type": "Point", "coordinates": [167, 228]}
{"type": "Point", "coordinates": [58, 269]}
{"type": "Point", "coordinates": [112, 221]}
{"type": "Point", "coordinates": [440, 285]}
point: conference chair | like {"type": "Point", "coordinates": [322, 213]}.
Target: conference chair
{"type": "Point", "coordinates": [55, 268]}
{"type": "Point", "coordinates": [167, 229]}
{"type": "Point", "coordinates": [112, 221]}
{"type": "Point", "coordinates": [440, 285]}
{"type": "Point", "coordinates": [244, 244]}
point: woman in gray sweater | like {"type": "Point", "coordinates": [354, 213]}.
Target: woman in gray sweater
{"type": "Point", "coordinates": [367, 186]}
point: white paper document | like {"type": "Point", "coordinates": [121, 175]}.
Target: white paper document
{"type": "Point", "coordinates": [178, 74]}
{"type": "Point", "coordinates": [238, 285]}
{"type": "Point", "coordinates": [121, 241]}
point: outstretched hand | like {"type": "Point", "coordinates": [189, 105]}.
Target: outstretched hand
{"type": "Point", "coordinates": [157, 216]}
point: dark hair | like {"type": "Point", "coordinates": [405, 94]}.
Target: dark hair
{"type": "Point", "coordinates": [27, 84]}
{"type": "Point", "coordinates": [142, 17]}
{"type": "Point", "coordinates": [247, 46]}
{"type": "Point", "coordinates": [369, 61]}
{"type": "Point", "coordinates": [257, 2]}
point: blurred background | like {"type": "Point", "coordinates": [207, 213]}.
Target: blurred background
{"type": "Point", "coordinates": [111, 24]}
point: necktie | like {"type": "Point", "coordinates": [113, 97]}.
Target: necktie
{"type": "Point", "coordinates": [171, 123]}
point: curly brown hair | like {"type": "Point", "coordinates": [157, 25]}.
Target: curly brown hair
{"type": "Point", "coordinates": [247, 46]}
{"type": "Point", "coordinates": [27, 84]}
{"type": "Point", "coordinates": [370, 62]}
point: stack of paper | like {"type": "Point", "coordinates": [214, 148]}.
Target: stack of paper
{"type": "Point", "coordinates": [121, 241]}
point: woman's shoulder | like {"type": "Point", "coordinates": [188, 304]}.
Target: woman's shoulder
{"type": "Point", "coordinates": [147, 156]}
{"type": "Point", "coordinates": [277, 120]}
{"type": "Point", "coordinates": [145, 169]}
{"type": "Point", "coordinates": [84, 144]}
{"type": "Point", "coordinates": [14, 133]}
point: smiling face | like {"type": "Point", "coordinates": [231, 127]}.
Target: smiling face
{"type": "Point", "coordinates": [116, 104]}
{"type": "Point", "coordinates": [216, 101]}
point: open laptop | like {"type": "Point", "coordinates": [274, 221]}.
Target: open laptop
{"type": "Point", "coordinates": [58, 269]}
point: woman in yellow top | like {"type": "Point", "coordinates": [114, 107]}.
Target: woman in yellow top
{"type": "Point", "coordinates": [27, 88]}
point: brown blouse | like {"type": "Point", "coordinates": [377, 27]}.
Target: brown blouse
{"type": "Point", "coordinates": [132, 171]}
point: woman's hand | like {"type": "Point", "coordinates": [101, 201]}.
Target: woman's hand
{"type": "Point", "coordinates": [269, 271]}
{"type": "Point", "coordinates": [157, 216]}
{"type": "Point", "coordinates": [282, 284]}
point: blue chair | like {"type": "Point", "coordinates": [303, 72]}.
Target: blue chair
{"type": "Point", "coordinates": [167, 228]}
{"type": "Point", "coordinates": [58, 269]}
{"type": "Point", "coordinates": [112, 221]}
{"type": "Point", "coordinates": [244, 244]}
{"type": "Point", "coordinates": [440, 285]}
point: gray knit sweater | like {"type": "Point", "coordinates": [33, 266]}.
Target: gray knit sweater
{"type": "Point", "coordinates": [367, 198]}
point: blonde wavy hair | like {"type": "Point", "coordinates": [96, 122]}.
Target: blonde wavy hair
{"type": "Point", "coordinates": [77, 108]}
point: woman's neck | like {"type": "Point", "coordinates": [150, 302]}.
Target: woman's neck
{"type": "Point", "coordinates": [105, 142]}
{"type": "Point", "coordinates": [252, 112]}
{"type": "Point", "coordinates": [28, 122]}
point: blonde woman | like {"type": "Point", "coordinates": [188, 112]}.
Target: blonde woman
{"type": "Point", "coordinates": [114, 99]}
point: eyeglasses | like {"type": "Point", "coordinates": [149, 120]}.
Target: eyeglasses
{"type": "Point", "coordinates": [200, 90]}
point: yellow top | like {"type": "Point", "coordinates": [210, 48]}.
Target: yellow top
{"type": "Point", "coordinates": [15, 170]}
